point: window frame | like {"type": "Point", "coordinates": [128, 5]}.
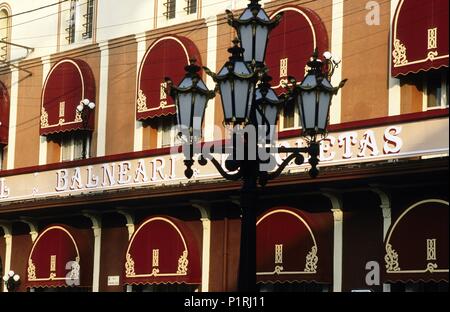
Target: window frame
{"type": "Point", "coordinates": [443, 100]}
{"type": "Point", "coordinates": [71, 146]}
{"type": "Point", "coordinates": [79, 27]}
{"type": "Point", "coordinates": [169, 12]}
{"type": "Point", "coordinates": [160, 134]}
{"type": "Point", "coordinates": [191, 6]}
{"type": "Point", "coordinates": [296, 120]}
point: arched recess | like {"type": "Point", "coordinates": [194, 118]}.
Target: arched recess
{"type": "Point", "coordinates": [5, 30]}
{"type": "Point", "coordinates": [416, 247]}
{"type": "Point", "coordinates": [68, 82]}
{"type": "Point", "coordinates": [419, 36]}
{"type": "Point", "coordinates": [162, 250]}
{"type": "Point", "coordinates": [166, 57]}
{"type": "Point", "coordinates": [292, 43]}
{"type": "Point", "coordinates": [290, 247]}
{"type": "Point", "coordinates": [59, 258]}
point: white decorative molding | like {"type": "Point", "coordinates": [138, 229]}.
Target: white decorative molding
{"type": "Point", "coordinates": [7, 230]}
{"type": "Point", "coordinates": [205, 213]}
{"type": "Point", "coordinates": [337, 30]}
{"type": "Point", "coordinates": [97, 229]}
{"type": "Point", "coordinates": [338, 217]}
{"type": "Point", "coordinates": [130, 222]}
{"type": "Point", "coordinates": [13, 102]}
{"type": "Point", "coordinates": [211, 63]}
{"type": "Point", "coordinates": [33, 228]}
{"type": "Point", "coordinates": [394, 83]}
{"type": "Point", "coordinates": [102, 106]}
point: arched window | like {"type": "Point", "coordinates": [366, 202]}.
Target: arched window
{"type": "Point", "coordinates": [79, 18]}
{"type": "Point", "coordinates": [4, 32]}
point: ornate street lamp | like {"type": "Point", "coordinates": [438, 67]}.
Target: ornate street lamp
{"type": "Point", "coordinates": [12, 281]}
{"type": "Point", "coordinates": [313, 96]}
{"type": "Point", "coordinates": [84, 110]}
{"type": "Point", "coordinates": [249, 101]}
{"type": "Point", "coordinates": [253, 27]}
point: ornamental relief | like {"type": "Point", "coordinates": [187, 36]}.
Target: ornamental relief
{"type": "Point", "coordinates": [399, 53]}
{"type": "Point", "coordinates": [73, 274]}
{"type": "Point", "coordinates": [310, 264]}
{"type": "Point", "coordinates": [141, 101]}
{"type": "Point", "coordinates": [182, 269]}
{"type": "Point", "coordinates": [61, 121]}
{"type": "Point", "coordinates": [392, 260]}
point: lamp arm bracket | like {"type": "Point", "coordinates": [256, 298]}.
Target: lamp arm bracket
{"type": "Point", "coordinates": [299, 159]}
{"type": "Point", "coordinates": [223, 173]}
{"type": "Point", "coordinates": [210, 73]}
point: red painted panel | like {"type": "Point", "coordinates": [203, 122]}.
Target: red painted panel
{"type": "Point", "coordinates": [293, 39]}
{"type": "Point", "coordinates": [408, 237]}
{"type": "Point", "coordinates": [68, 82]}
{"type": "Point", "coordinates": [4, 114]}
{"type": "Point", "coordinates": [167, 57]}
{"type": "Point", "coordinates": [54, 241]}
{"type": "Point", "coordinates": [284, 227]}
{"type": "Point", "coordinates": [412, 50]}
{"type": "Point", "coordinates": [156, 251]}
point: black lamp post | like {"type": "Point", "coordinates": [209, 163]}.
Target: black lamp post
{"type": "Point", "coordinates": [249, 101]}
{"type": "Point", "coordinates": [84, 109]}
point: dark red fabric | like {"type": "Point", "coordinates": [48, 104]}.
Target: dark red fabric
{"type": "Point", "coordinates": [4, 114]}
{"type": "Point", "coordinates": [160, 233]}
{"type": "Point", "coordinates": [283, 226]}
{"type": "Point", "coordinates": [165, 58]}
{"type": "Point", "coordinates": [69, 81]}
{"type": "Point", "coordinates": [52, 241]}
{"type": "Point", "coordinates": [412, 20]}
{"type": "Point", "coordinates": [408, 239]}
{"type": "Point", "coordinates": [293, 39]}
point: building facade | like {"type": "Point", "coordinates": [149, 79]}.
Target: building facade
{"type": "Point", "coordinates": [93, 198]}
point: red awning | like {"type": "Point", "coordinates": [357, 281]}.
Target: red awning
{"type": "Point", "coordinates": [290, 246]}
{"type": "Point", "coordinates": [162, 250]}
{"type": "Point", "coordinates": [419, 36]}
{"type": "Point", "coordinates": [416, 247]}
{"type": "Point", "coordinates": [166, 57]}
{"type": "Point", "coordinates": [54, 259]}
{"type": "Point", "coordinates": [69, 82]}
{"type": "Point", "coordinates": [292, 43]}
{"type": "Point", "coordinates": [4, 114]}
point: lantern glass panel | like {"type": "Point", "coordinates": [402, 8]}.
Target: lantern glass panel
{"type": "Point", "coordinates": [310, 81]}
{"type": "Point", "coordinates": [324, 105]}
{"type": "Point", "coordinates": [246, 15]}
{"type": "Point", "coordinates": [199, 110]}
{"type": "Point", "coordinates": [246, 37]}
{"type": "Point", "coordinates": [241, 69]}
{"type": "Point", "coordinates": [308, 103]}
{"type": "Point", "coordinates": [241, 95]}
{"type": "Point", "coordinates": [184, 111]}
{"type": "Point", "coordinates": [225, 91]}
{"type": "Point", "coordinates": [185, 83]}
{"type": "Point", "coordinates": [262, 33]}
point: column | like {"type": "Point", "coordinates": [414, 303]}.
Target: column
{"type": "Point", "coordinates": [394, 83]}
{"type": "Point", "coordinates": [46, 66]}
{"type": "Point", "coordinates": [97, 228]}
{"type": "Point", "coordinates": [337, 28]}
{"type": "Point", "coordinates": [13, 102]}
{"type": "Point", "coordinates": [138, 125]}
{"type": "Point", "coordinates": [102, 106]}
{"type": "Point", "coordinates": [211, 63]}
